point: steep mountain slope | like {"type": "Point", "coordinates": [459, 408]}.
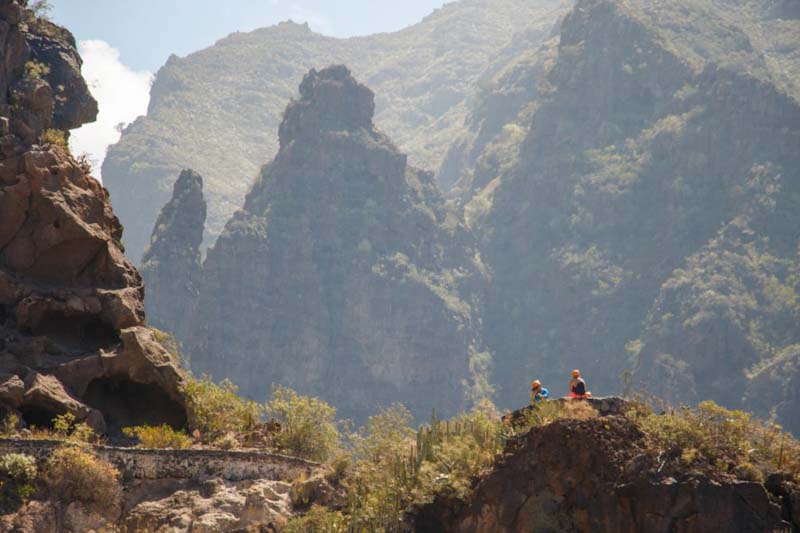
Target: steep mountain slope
{"type": "Point", "coordinates": [645, 164]}
{"type": "Point", "coordinates": [341, 275]}
{"type": "Point", "coordinates": [171, 266]}
{"type": "Point", "coordinates": [72, 335]}
{"type": "Point", "coordinates": [217, 110]}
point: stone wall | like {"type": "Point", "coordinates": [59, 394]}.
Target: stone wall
{"type": "Point", "coordinates": [139, 463]}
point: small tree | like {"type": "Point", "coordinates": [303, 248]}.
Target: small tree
{"type": "Point", "coordinates": [214, 410]}
{"type": "Point", "coordinates": [308, 425]}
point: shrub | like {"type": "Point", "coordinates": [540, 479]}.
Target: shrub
{"type": "Point", "coordinates": [17, 475]}
{"type": "Point", "coordinates": [214, 410]}
{"type": "Point", "coordinates": [707, 432]}
{"type": "Point", "coordinates": [41, 8]}
{"type": "Point", "coordinates": [450, 453]}
{"type": "Point", "coordinates": [9, 425]}
{"type": "Point", "coordinates": [54, 138]}
{"type": "Point", "coordinates": [38, 8]}
{"type": "Point", "coordinates": [318, 520]}
{"type": "Point", "coordinates": [227, 442]}
{"type": "Point", "coordinates": [169, 342]}
{"type": "Point", "coordinates": [74, 475]}
{"type": "Point", "coordinates": [162, 436]}
{"type": "Point", "coordinates": [543, 413]}
{"type": "Point", "coordinates": [308, 425]}
{"type": "Point", "coordinates": [386, 434]}
{"type": "Point", "coordinates": [578, 410]}
{"type": "Point", "coordinates": [339, 468]}
{"type": "Point", "coordinates": [749, 472]}
{"type": "Point", "coordinates": [64, 427]}
{"type": "Point", "coordinates": [725, 440]}
{"type": "Point", "coordinates": [37, 71]}
{"type": "Point", "coordinates": [85, 163]}
{"type": "Point", "coordinates": [18, 467]}
{"type": "Point", "coordinates": [379, 483]}
{"type": "Point", "coordinates": [394, 469]}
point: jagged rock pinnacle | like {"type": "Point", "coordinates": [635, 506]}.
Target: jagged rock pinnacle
{"type": "Point", "coordinates": [330, 100]}
{"type": "Point", "coordinates": [181, 220]}
{"type": "Point", "coordinates": [174, 254]}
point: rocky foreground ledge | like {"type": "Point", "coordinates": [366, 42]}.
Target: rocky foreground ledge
{"type": "Point", "coordinates": [599, 475]}
{"type": "Point", "coordinates": [183, 490]}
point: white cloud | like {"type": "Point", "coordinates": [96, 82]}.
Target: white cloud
{"type": "Point", "coordinates": [122, 95]}
{"type": "Point", "coordinates": [319, 23]}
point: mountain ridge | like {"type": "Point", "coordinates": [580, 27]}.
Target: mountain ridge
{"type": "Point", "coordinates": [226, 100]}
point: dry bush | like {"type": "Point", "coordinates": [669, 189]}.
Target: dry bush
{"type": "Point", "coordinates": [162, 436]}
{"type": "Point", "coordinates": [72, 474]}
{"type": "Point", "coordinates": [543, 413]}
{"type": "Point", "coordinates": [54, 137]}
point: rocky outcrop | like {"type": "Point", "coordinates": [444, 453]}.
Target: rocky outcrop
{"type": "Point", "coordinates": [171, 266]}
{"type": "Point", "coordinates": [182, 491]}
{"type": "Point", "coordinates": [342, 276]}
{"type": "Point", "coordinates": [595, 475]}
{"type": "Point", "coordinates": [235, 93]}
{"type": "Point", "coordinates": [215, 505]}
{"type": "Point", "coordinates": [72, 336]}
{"type": "Point", "coordinates": [40, 83]}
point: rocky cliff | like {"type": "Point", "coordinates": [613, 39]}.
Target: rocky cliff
{"type": "Point", "coordinates": [218, 110]}
{"type": "Point", "coordinates": [342, 275]}
{"type": "Point", "coordinates": [71, 305]}
{"type": "Point", "coordinates": [633, 183]}
{"type": "Point", "coordinates": [171, 266]}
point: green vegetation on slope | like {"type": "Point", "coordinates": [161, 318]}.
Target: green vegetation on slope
{"type": "Point", "coordinates": [634, 183]}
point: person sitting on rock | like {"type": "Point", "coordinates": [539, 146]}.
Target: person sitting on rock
{"type": "Point", "coordinates": [577, 386]}
{"type": "Point", "coordinates": [538, 393]}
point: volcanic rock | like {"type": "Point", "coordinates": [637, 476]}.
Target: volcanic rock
{"type": "Point", "coordinates": [72, 335]}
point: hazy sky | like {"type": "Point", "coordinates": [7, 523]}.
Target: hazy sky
{"type": "Point", "coordinates": [124, 42]}
{"type": "Point", "coordinates": [146, 32]}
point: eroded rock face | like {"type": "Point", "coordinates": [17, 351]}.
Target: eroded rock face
{"type": "Point", "coordinates": [634, 189]}
{"type": "Point", "coordinates": [342, 275]}
{"type": "Point", "coordinates": [171, 265]}
{"type": "Point", "coordinates": [216, 505]}
{"type": "Point", "coordinates": [71, 304]}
